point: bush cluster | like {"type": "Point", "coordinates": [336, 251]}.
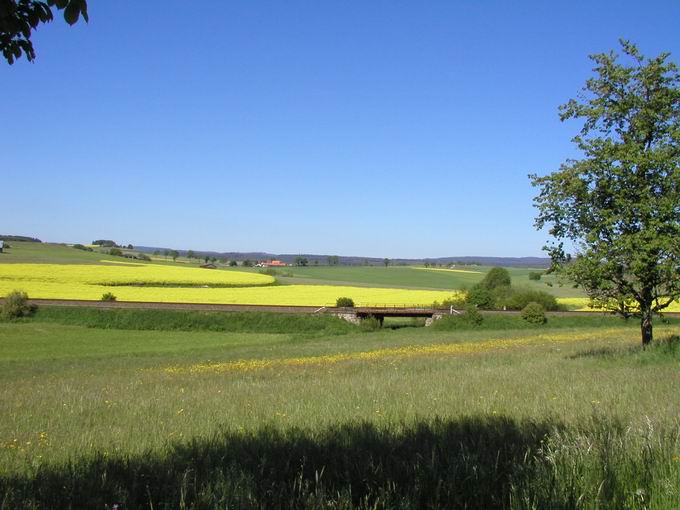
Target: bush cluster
{"type": "Point", "coordinates": [472, 316]}
{"type": "Point", "coordinates": [521, 298]}
{"type": "Point", "coordinates": [534, 313]}
{"type": "Point", "coordinates": [495, 292]}
{"type": "Point", "coordinates": [344, 302]}
{"type": "Point", "coordinates": [16, 305]}
{"type": "Point", "coordinates": [108, 296]}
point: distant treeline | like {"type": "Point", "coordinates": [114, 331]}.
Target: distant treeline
{"type": "Point", "coordinates": [334, 260]}
{"type": "Point", "coordinates": [107, 243]}
{"type": "Point", "coordinates": [20, 238]}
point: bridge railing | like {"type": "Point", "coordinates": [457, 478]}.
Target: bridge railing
{"type": "Point", "coordinates": [392, 306]}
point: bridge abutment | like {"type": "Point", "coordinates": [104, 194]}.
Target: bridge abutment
{"type": "Point", "coordinates": [350, 317]}
{"type": "Point", "coordinates": [430, 320]}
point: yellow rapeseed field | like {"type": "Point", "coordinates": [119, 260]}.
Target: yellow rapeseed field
{"type": "Point", "coordinates": [127, 274]}
{"type": "Point", "coordinates": [55, 281]}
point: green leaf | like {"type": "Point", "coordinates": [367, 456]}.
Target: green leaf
{"type": "Point", "coordinates": [72, 12]}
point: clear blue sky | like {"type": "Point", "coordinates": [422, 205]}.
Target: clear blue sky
{"type": "Point", "coordinates": [377, 128]}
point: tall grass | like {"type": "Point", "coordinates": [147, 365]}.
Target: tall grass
{"type": "Point", "coordinates": [469, 462]}
{"type": "Point", "coordinates": [91, 418]}
{"type": "Point", "coordinates": [499, 321]}
{"type": "Point", "coordinates": [188, 320]}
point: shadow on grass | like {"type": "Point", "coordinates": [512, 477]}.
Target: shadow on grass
{"type": "Point", "coordinates": [467, 463]}
{"type": "Point", "coordinates": [602, 352]}
{"type": "Point", "coordinates": [661, 350]}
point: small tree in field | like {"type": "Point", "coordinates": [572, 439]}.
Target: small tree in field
{"type": "Point", "coordinates": [618, 207]}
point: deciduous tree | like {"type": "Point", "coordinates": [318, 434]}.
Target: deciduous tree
{"type": "Point", "coordinates": [18, 19]}
{"type": "Point", "coordinates": [617, 207]}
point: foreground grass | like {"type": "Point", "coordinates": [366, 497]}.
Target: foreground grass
{"type": "Point", "coordinates": [92, 417]}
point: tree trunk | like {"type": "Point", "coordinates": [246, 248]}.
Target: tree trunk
{"type": "Point", "coordinates": [646, 325]}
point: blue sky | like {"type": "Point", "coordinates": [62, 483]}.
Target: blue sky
{"type": "Point", "coordinates": [380, 128]}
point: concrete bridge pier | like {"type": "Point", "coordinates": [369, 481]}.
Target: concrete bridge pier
{"type": "Point", "coordinates": [430, 320]}
{"type": "Point", "coordinates": [350, 317]}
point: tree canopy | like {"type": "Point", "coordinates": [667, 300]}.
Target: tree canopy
{"type": "Point", "coordinates": [18, 19]}
{"type": "Point", "coordinates": [496, 277]}
{"type": "Point", "coordinates": [301, 261]}
{"type": "Point", "coordinates": [614, 213]}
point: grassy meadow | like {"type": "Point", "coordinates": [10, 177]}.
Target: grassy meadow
{"type": "Point", "coordinates": [172, 409]}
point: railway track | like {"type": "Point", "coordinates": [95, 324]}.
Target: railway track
{"type": "Point", "coordinates": [212, 307]}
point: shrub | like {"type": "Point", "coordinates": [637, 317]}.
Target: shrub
{"type": "Point", "coordinates": [233, 263]}
{"type": "Point", "coordinates": [472, 316]}
{"type": "Point", "coordinates": [496, 277]}
{"type": "Point", "coordinates": [143, 256]}
{"type": "Point", "coordinates": [108, 296]}
{"type": "Point", "coordinates": [79, 246]}
{"type": "Point", "coordinates": [534, 275]}
{"type": "Point", "coordinates": [534, 313]}
{"type": "Point", "coordinates": [369, 323]}
{"type": "Point", "coordinates": [480, 297]}
{"type": "Point", "coordinates": [116, 252]}
{"type": "Point", "coordinates": [500, 297]}
{"type": "Point", "coordinates": [344, 302]}
{"type": "Point", "coordinates": [521, 298]}
{"type": "Point", "coordinates": [16, 305]}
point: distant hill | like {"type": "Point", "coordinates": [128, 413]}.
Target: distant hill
{"type": "Point", "coordinates": [537, 262]}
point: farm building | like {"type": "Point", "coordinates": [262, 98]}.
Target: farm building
{"type": "Point", "coordinates": [272, 263]}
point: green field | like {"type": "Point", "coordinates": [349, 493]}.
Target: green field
{"type": "Point", "coordinates": [166, 409]}
{"type": "Point", "coordinates": [21, 252]}
{"type": "Point", "coordinates": [421, 278]}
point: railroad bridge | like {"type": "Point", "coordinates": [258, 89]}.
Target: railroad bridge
{"type": "Point", "coordinates": [356, 314]}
